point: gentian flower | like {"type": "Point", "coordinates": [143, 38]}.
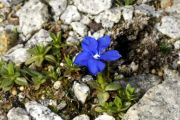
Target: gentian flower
{"type": "Point", "coordinates": [93, 54]}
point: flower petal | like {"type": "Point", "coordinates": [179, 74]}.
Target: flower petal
{"type": "Point", "coordinates": [95, 66]}
{"type": "Point", "coordinates": [103, 43]}
{"type": "Point", "coordinates": [110, 55]}
{"type": "Point", "coordinates": [82, 58]}
{"type": "Point", "coordinates": [89, 44]}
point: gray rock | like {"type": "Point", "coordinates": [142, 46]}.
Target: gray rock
{"type": "Point", "coordinates": [61, 105]}
{"type": "Point", "coordinates": [162, 102]}
{"type": "Point", "coordinates": [80, 28]}
{"type": "Point", "coordinates": [128, 13]}
{"type": "Point", "coordinates": [41, 37]}
{"type": "Point", "coordinates": [170, 26]}
{"type": "Point", "coordinates": [82, 117]}
{"type": "Point", "coordinates": [175, 8]}
{"type": "Point", "coordinates": [72, 40]}
{"type": "Point", "coordinates": [177, 45]}
{"type": "Point", "coordinates": [145, 9]}
{"type": "Point", "coordinates": [85, 20]}
{"type": "Point", "coordinates": [57, 85]}
{"type": "Point", "coordinates": [93, 6]}
{"type": "Point", "coordinates": [32, 16]}
{"type": "Point", "coordinates": [11, 2]}
{"type": "Point", "coordinates": [17, 54]}
{"type": "Point", "coordinates": [81, 91]}
{"type": "Point", "coordinates": [71, 14]}
{"type": "Point", "coordinates": [145, 1]}
{"type": "Point", "coordinates": [40, 112]}
{"type": "Point", "coordinates": [99, 33]}
{"type": "Point", "coordinates": [105, 117]}
{"type": "Point", "coordinates": [87, 78]}
{"type": "Point", "coordinates": [57, 6]}
{"type": "Point", "coordinates": [18, 114]}
{"type": "Point", "coordinates": [143, 82]}
{"type": "Point", "coordinates": [109, 17]}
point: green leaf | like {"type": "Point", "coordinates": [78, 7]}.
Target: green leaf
{"type": "Point", "coordinates": [38, 80]}
{"type": "Point", "coordinates": [130, 89]}
{"type": "Point", "coordinates": [50, 58]}
{"type": "Point", "coordinates": [69, 62]}
{"type": "Point", "coordinates": [10, 69]}
{"type": "Point", "coordinates": [7, 82]}
{"type": "Point", "coordinates": [99, 109]}
{"type": "Point", "coordinates": [39, 61]}
{"type": "Point", "coordinates": [112, 87]}
{"type": "Point", "coordinates": [118, 102]}
{"type": "Point", "coordinates": [31, 60]}
{"type": "Point", "coordinates": [102, 97]}
{"type": "Point", "coordinates": [21, 81]}
{"type": "Point", "coordinates": [46, 49]}
{"type": "Point", "coordinates": [53, 36]}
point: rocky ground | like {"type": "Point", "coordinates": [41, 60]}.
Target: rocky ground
{"type": "Point", "coordinates": [146, 33]}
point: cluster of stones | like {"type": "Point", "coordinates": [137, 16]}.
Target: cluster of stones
{"type": "Point", "coordinates": [94, 18]}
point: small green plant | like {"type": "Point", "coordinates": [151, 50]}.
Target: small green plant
{"type": "Point", "coordinates": [69, 64]}
{"type": "Point", "coordinates": [123, 98]}
{"type": "Point", "coordinates": [56, 45]}
{"type": "Point", "coordinates": [36, 77]}
{"type": "Point", "coordinates": [165, 47]}
{"type": "Point", "coordinates": [39, 54]}
{"type": "Point", "coordinates": [10, 75]}
{"type": "Point", "coordinates": [128, 2]}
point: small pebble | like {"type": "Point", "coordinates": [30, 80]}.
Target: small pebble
{"type": "Point", "coordinates": [42, 97]}
{"type": "Point", "coordinates": [21, 88]}
{"type": "Point", "coordinates": [153, 71]}
{"type": "Point", "coordinates": [14, 92]}
{"type": "Point", "coordinates": [57, 85]}
{"type": "Point", "coordinates": [52, 102]}
{"type": "Point", "coordinates": [21, 96]}
{"type": "Point", "coordinates": [87, 78]}
{"type": "Point", "coordinates": [134, 66]}
{"type": "Point", "coordinates": [62, 105]}
{"type": "Point", "coordinates": [178, 62]}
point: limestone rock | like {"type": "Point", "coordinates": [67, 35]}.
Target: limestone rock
{"type": "Point", "coordinates": [41, 37]}
{"type": "Point", "coordinates": [109, 17]}
{"type": "Point", "coordinates": [146, 10]}
{"type": "Point", "coordinates": [170, 26]}
{"type": "Point", "coordinates": [80, 28]}
{"type": "Point", "coordinates": [142, 82]}
{"type": "Point", "coordinates": [11, 2]}
{"type": "Point", "coordinates": [81, 91]}
{"type": "Point", "coordinates": [85, 20]}
{"type": "Point", "coordinates": [17, 54]}
{"type": "Point", "coordinates": [82, 117]}
{"type": "Point", "coordinates": [18, 114]}
{"type": "Point", "coordinates": [72, 40]}
{"type": "Point", "coordinates": [71, 14]}
{"type": "Point", "coordinates": [40, 112]}
{"type": "Point", "coordinates": [105, 117]}
{"type": "Point", "coordinates": [32, 16]}
{"type": "Point", "coordinates": [177, 45]}
{"type": "Point", "coordinates": [127, 13]}
{"type": "Point", "coordinates": [58, 7]}
{"type": "Point", "coordinates": [93, 6]}
{"type": "Point", "coordinates": [162, 102]}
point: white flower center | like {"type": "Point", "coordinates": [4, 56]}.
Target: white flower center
{"type": "Point", "coordinates": [96, 56]}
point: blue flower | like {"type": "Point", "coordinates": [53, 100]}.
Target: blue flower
{"type": "Point", "coordinates": [93, 54]}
